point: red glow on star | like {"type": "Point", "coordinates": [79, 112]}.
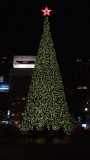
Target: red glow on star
{"type": "Point", "coordinates": [46, 11]}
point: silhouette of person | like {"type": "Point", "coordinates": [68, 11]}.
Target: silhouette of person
{"type": "Point", "coordinates": [34, 133]}
{"type": "Point", "coordinates": [50, 134]}
{"type": "Point", "coordinates": [61, 132]}
{"type": "Point", "coordinates": [46, 133]}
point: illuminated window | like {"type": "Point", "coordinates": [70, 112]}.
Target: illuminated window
{"type": "Point", "coordinates": [23, 98]}
{"type": "Point", "coordinates": [79, 60]}
{"type": "Point", "coordinates": [84, 87]}
{"type": "Point", "coordinates": [13, 114]}
{"type": "Point", "coordinates": [4, 57]}
{"type": "Point", "coordinates": [79, 87]}
{"type": "Point", "coordinates": [16, 122]}
{"type": "Point", "coordinates": [8, 112]}
{"type": "Point", "coordinates": [13, 104]}
{"type": "Point", "coordinates": [87, 102]}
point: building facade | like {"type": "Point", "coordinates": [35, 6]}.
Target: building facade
{"type": "Point", "coordinates": [19, 81]}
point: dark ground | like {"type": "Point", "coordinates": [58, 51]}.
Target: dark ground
{"type": "Point", "coordinates": [45, 152]}
{"type": "Point", "coordinates": [14, 147]}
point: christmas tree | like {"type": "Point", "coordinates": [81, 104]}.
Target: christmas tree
{"type": "Point", "coordinates": [46, 101]}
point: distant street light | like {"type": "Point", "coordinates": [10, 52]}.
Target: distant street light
{"type": "Point", "coordinates": [86, 109]}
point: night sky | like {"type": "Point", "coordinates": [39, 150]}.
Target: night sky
{"type": "Point", "coordinates": [21, 25]}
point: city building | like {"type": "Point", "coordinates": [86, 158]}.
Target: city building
{"type": "Point", "coordinates": [5, 65]}
{"type": "Point", "coordinates": [82, 87]}
{"type": "Point", "coordinates": [19, 81]}
{"type": "Point", "coordinates": [82, 74]}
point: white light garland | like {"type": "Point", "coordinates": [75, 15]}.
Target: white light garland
{"type": "Point", "coordinates": [46, 101]}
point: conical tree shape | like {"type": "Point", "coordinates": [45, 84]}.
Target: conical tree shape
{"type": "Point", "coordinates": [46, 102]}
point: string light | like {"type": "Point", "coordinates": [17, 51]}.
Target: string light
{"type": "Point", "coordinates": [46, 101]}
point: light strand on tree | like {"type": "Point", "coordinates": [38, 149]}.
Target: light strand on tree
{"type": "Point", "coordinates": [46, 101]}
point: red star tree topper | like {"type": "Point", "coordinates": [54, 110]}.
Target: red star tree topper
{"type": "Point", "coordinates": [46, 11]}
